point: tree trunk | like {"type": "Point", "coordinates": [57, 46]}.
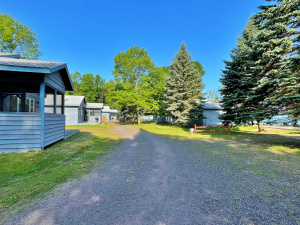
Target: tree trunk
{"type": "Point", "coordinates": [260, 126]}
{"type": "Point", "coordinates": [138, 117]}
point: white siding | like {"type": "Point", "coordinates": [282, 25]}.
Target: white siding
{"type": "Point", "coordinates": [71, 115]}
{"type": "Point", "coordinates": [212, 117]}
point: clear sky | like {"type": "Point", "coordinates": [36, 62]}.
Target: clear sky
{"type": "Point", "coordinates": [88, 34]}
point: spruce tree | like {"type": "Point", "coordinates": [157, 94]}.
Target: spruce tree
{"type": "Point", "coordinates": [237, 80]}
{"type": "Point", "coordinates": [184, 89]}
{"type": "Point", "coordinates": [278, 48]}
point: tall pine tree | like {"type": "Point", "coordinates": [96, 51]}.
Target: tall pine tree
{"type": "Point", "coordinates": [184, 89]}
{"type": "Point", "coordinates": [268, 68]}
{"type": "Point", "coordinates": [237, 80]}
{"type": "Point", "coordinates": [278, 46]}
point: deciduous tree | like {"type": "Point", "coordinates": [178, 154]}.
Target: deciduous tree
{"type": "Point", "coordinates": [16, 37]}
{"type": "Point", "coordinates": [132, 69]}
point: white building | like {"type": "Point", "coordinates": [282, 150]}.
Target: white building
{"type": "Point", "coordinates": [212, 110]}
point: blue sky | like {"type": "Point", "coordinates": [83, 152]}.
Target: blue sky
{"type": "Point", "coordinates": [88, 34]}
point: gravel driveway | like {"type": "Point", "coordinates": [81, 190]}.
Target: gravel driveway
{"type": "Point", "coordinates": [152, 180]}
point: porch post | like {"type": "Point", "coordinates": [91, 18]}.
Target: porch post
{"type": "Point", "coordinates": [1, 102]}
{"type": "Point", "coordinates": [63, 104]}
{"type": "Point", "coordinates": [55, 94]}
{"type": "Point", "coordinates": [23, 101]}
{"type": "Point", "coordinates": [42, 111]}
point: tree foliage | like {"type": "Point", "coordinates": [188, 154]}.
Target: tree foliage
{"type": "Point", "coordinates": [135, 77]}
{"type": "Point", "coordinates": [262, 78]}
{"type": "Point", "coordinates": [16, 37]}
{"type": "Point", "coordinates": [184, 88]}
{"type": "Point", "coordinates": [92, 87]}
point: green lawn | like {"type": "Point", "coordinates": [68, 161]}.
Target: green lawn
{"type": "Point", "coordinates": [24, 176]}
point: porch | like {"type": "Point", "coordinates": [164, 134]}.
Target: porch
{"type": "Point", "coordinates": [31, 104]}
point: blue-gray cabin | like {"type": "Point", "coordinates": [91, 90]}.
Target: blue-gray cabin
{"type": "Point", "coordinates": [31, 103]}
{"type": "Point", "coordinates": [108, 113]}
{"type": "Point", "coordinates": [78, 111]}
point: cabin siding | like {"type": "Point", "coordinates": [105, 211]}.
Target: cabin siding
{"type": "Point", "coordinates": [212, 117]}
{"type": "Point", "coordinates": [96, 115]}
{"type": "Point", "coordinates": [20, 132]}
{"type": "Point", "coordinates": [106, 115]}
{"type": "Point", "coordinates": [54, 128]}
{"type": "Point", "coordinates": [81, 117]}
{"type": "Point", "coordinates": [71, 115]}
{"type": "Point", "coordinates": [55, 80]}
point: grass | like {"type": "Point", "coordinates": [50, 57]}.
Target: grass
{"type": "Point", "coordinates": [25, 176]}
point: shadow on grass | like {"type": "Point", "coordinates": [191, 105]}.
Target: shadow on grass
{"type": "Point", "coordinates": [261, 140]}
{"type": "Point", "coordinates": [27, 175]}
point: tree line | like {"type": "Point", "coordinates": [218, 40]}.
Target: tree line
{"type": "Point", "coordinates": [261, 79]}
{"type": "Point", "coordinates": [140, 87]}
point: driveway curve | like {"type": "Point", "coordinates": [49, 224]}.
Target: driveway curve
{"type": "Point", "coordinates": [153, 180]}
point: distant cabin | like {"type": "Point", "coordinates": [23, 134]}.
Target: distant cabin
{"type": "Point", "coordinates": [212, 110]}
{"type": "Point", "coordinates": [31, 103]}
{"type": "Point", "coordinates": [79, 112]}
{"type": "Point", "coordinates": [109, 114]}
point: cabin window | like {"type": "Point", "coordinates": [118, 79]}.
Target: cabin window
{"type": "Point", "coordinates": [59, 103]}
{"type": "Point", "coordinates": [92, 113]}
{"type": "Point", "coordinates": [80, 112]}
{"type": "Point", "coordinates": [49, 99]}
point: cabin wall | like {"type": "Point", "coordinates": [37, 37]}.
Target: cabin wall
{"type": "Point", "coordinates": [54, 128]}
{"type": "Point", "coordinates": [55, 81]}
{"type": "Point", "coordinates": [20, 132]}
{"type": "Point", "coordinates": [106, 115]}
{"type": "Point", "coordinates": [97, 114]}
{"type": "Point", "coordinates": [113, 116]}
{"type": "Point", "coordinates": [82, 109]}
{"type": "Point", "coordinates": [71, 115]}
{"type": "Point", "coordinates": [212, 117]}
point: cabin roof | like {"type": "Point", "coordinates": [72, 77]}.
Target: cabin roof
{"type": "Point", "coordinates": [107, 109]}
{"type": "Point", "coordinates": [10, 55]}
{"type": "Point", "coordinates": [74, 100]}
{"type": "Point", "coordinates": [212, 105]}
{"type": "Point", "coordinates": [94, 105]}
{"type": "Point", "coordinates": [35, 66]}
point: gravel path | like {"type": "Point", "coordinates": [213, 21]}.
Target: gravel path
{"type": "Point", "coordinates": [152, 180]}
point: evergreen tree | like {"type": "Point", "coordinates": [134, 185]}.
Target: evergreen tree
{"type": "Point", "coordinates": [184, 89]}
{"type": "Point", "coordinates": [269, 66]}
{"type": "Point", "coordinates": [278, 46]}
{"type": "Point", "coordinates": [239, 79]}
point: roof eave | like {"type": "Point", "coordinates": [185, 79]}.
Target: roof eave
{"type": "Point", "coordinates": [69, 86]}
{"type": "Point", "coordinates": [24, 69]}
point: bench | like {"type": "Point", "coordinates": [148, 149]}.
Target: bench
{"type": "Point", "coordinates": [201, 128]}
